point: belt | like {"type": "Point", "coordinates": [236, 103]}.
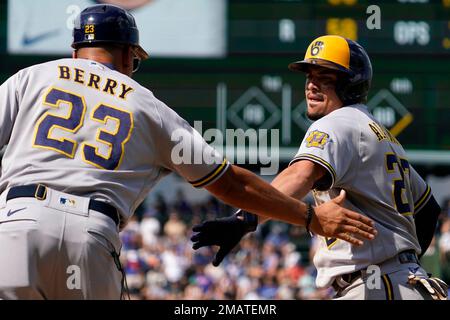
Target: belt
{"type": "Point", "coordinates": [407, 256]}
{"type": "Point", "coordinates": [39, 192]}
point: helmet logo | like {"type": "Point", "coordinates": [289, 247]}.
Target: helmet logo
{"type": "Point", "coordinates": [316, 48]}
{"type": "Point", "coordinates": [89, 28]}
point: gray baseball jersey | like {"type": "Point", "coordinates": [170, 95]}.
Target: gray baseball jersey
{"type": "Point", "coordinates": [80, 127]}
{"type": "Point", "coordinates": [362, 157]}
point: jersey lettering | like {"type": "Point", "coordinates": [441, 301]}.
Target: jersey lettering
{"type": "Point", "coordinates": [94, 81]}
{"type": "Point", "coordinates": [70, 123]}
{"type": "Point", "coordinates": [114, 140]}
{"type": "Point", "coordinates": [400, 187]}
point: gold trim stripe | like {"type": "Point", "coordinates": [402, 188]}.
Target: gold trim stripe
{"type": "Point", "coordinates": [421, 201]}
{"type": "Point", "coordinates": [317, 160]}
{"type": "Point", "coordinates": [331, 245]}
{"type": "Point", "coordinates": [388, 287]}
{"type": "Point", "coordinates": [210, 176]}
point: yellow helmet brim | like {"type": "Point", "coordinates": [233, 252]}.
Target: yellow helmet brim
{"type": "Point", "coordinates": [303, 65]}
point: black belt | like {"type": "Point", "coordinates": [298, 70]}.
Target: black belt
{"type": "Point", "coordinates": [39, 192]}
{"type": "Point", "coordinates": [407, 256]}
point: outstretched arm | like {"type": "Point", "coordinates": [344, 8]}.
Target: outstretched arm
{"type": "Point", "coordinates": [241, 188]}
{"type": "Point", "coordinates": [330, 218]}
{"type": "Point", "coordinates": [298, 179]}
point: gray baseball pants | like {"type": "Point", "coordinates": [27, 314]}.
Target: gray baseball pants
{"type": "Point", "coordinates": [57, 248]}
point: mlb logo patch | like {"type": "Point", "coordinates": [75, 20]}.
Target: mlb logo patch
{"type": "Point", "coordinates": [67, 202]}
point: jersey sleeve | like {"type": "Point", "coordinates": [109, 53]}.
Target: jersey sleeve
{"type": "Point", "coordinates": [9, 107]}
{"type": "Point", "coordinates": [183, 150]}
{"type": "Point", "coordinates": [421, 191]}
{"type": "Point", "coordinates": [332, 145]}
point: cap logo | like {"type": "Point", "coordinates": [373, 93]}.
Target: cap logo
{"type": "Point", "coordinates": [89, 28]}
{"type": "Point", "coordinates": [89, 32]}
{"type": "Point", "coordinates": [316, 48]}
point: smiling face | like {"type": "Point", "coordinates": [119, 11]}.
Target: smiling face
{"type": "Point", "coordinates": [320, 92]}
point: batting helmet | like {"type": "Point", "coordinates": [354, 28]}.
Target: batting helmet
{"type": "Point", "coordinates": [345, 56]}
{"type": "Point", "coordinates": [106, 23]}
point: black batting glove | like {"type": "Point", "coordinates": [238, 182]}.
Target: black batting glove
{"type": "Point", "coordinates": [224, 232]}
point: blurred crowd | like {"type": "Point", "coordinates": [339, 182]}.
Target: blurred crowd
{"type": "Point", "coordinates": [275, 262]}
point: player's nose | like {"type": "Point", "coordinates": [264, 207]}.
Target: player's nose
{"type": "Point", "coordinates": [311, 85]}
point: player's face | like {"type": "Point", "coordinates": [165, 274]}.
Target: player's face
{"type": "Point", "coordinates": [320, 92]}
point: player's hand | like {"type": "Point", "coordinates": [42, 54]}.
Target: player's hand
{"type": "Point", "coordinates": [332, 220]}
{"type": "Point", "coordinates": [224, 232]}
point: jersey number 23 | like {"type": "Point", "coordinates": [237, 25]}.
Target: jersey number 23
{"type": "Point", "coordinates": [114, 140]}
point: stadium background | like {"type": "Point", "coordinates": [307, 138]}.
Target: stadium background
{"type": "Point", "coordinates": [244, 83]}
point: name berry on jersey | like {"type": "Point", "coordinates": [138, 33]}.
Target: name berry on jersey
{"type": "Point", "coordinates": [94, 81]}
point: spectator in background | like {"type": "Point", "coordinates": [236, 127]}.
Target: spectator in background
{"type": "Point", "coordinates": [135, 271]}
{"type": "Point", "coordinates": [181, 205]}
{"type": "Point", "coordinates": [174, 263]}
{"type": "Point", "coordinates": [131, 236]}
{"type": "Point", "coordinates": [271, 260]}
{"type": "Point", "coordinates": [268, 287]}
{"type": "Point", "coordinates": [160, 206]}
{"type": "Point", "coordinates": [175, 228]}
{"type": "Point", "coordinates": [150, 228]}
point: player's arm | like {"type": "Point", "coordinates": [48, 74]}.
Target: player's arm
{"type": "Point", "coordinates": [426, 210]}
{"type": "Point", "coordinates": [241, 188]}
{"type": "Point", "coordinates": [426, 221]}
{"type": "Point", "coordinates": [298, 179]}
{"type": "Point", "coordinates": [9, 107]}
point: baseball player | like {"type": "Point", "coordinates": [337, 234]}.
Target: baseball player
{"type": "Point", "coordinates": [86, 144]}
{"type": "Point", "coordinates": [346, 148]}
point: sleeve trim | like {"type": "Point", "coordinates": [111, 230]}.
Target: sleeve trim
{"type": "Point", "coordinates": [210, 177]}
{"type": "Point", "coordinates": [320, 161]}
{"type": "Point", "coordinates": [419, 204]}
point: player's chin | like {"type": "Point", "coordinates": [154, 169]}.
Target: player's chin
{"type": "Point", "coordinates": [313, 113]}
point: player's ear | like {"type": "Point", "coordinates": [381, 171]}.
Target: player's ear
{"type": "Point", "coordinates": [127, 58]}
{"type": "Point", "coordinates": [74, 54]}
